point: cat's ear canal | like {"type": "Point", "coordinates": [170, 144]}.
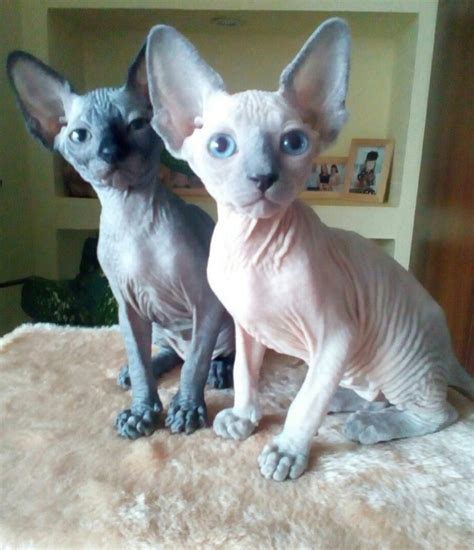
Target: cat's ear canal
{"type": "Point", "coordinates": [180, 84]}
{"type": "Point", "coordinates": [137, 79]}
{"type": "Point", "coordinates": [44, 96]}
{"type": "Point", "coordinates": [316, 81]}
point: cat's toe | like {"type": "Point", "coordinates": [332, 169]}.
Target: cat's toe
{"type": "Point", "coordinates": [230, 425]}
{"type": "Point", "coordinates": [362, 427]}
{"type": "Point", "coordinates": [280, 464]}
{"type": "Point", "coordinates": [139, 421]}
{"type": "Point", "coordinates": [186, 415]}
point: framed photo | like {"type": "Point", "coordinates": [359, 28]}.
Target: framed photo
{"type": "Point", "coordinates": [326, 180]}
{"type": "Point", "coordinates": [368, 169]}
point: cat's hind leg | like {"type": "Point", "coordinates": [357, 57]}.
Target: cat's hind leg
{"type": "Point", "coordinates": [164, 361]}
{"type": "Point", "coordinates": [221, 372]}
{"type": "Point", "coordinates": [421, 410]}
{"type": "Point", "coordinates": [346, 400]}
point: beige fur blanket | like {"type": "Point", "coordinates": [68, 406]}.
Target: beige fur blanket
{"type": "Point", "coordinates": [67, 480]}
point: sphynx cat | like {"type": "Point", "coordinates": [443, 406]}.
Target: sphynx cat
{"type": "Point", "coordinates": [153, 247]}
{"type": "Point", "coordinates": [324, 295]}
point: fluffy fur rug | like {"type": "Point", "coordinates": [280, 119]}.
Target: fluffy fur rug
{"type": "Point", "coordinates": [67, 480]}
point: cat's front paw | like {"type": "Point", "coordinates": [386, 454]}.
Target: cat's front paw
{"type": "Point", "coordinates": [123, 378]}
{"type": "Point", "coordinates": [229, 425]}
{"type": "Point", "coordinates": [186, 414]}
{"type": "Point", "coordinates": [279, 463]}
{"type": "Point", "coordinates": [140, 420]}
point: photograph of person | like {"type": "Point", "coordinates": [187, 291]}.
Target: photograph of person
{"type": "Point", "coordinates": [367, 169]}
{"type": "Point", "coordinates": [327, 176]}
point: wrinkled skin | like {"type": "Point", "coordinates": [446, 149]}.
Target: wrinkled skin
{"type": "Point", "coordinates": [361, 322]}
{"type": "Point", "coordinates": [153, 247]}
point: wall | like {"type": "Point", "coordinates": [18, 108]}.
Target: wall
{"type": "Point", "coordinates": [15, 209]}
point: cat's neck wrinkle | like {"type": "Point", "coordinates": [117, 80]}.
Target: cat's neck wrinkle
{"type": "Point", "coordinates": [261, 242]}
{"type": "Point", "coordinates": [133, 208]}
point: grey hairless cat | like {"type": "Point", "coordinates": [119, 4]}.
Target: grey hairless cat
{"type": "Point", "coordinates": [153, 247]}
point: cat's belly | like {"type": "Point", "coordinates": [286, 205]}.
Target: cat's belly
{"type": "Point", "coordinates": [290, 324]}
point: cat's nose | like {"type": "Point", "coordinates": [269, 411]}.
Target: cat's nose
{"type": "Point", "coordinates": [110, 150]}
{"type": "Point", "coordinates": [264, 181]}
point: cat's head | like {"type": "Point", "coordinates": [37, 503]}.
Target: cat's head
{"type": "Point", "coordinates": [105, 134]}
{"type": "Point", "coordinates": [253, 150]}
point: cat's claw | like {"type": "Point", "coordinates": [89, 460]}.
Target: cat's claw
{"type": "Point", "coordinates": [139, 421]}
{"type": "Point", "coordinates": [186, 415]}
{"type": "Point", "coordinates": [279, 464]}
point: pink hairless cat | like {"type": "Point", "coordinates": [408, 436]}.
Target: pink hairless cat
{"type": "Point", "coordinates": [292, 284]}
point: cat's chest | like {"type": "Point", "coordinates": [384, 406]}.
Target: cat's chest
{"type": "Point", "coordinates": [241, 288]}
{"type": "Point", "coordinates": [259, 295]}
{"type": "Point", "coordinates": [268, 279]}
{"type": "Point", "coordinates": [137, 271]}
{"type": "Point", "coordinates": [125, 259]}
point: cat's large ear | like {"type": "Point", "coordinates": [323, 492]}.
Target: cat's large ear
{"type": "Point", "coordinates": [180, 82]}
{"type": "Point", "coordinates": [315, 82]}
{"type": "Point", "coordinates": [137, 75]}
{"type": "Point", "coordinates": [43, 95]}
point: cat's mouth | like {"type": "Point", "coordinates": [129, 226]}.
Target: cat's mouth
{"type": "Point", "coordinates": [261, 199]}
{"type": "Point", "coordinates": [104, 174]}
{"type": "Point", "coordinates": [262, 207]}
{"type": "Point", "coordinates": [111, 173]}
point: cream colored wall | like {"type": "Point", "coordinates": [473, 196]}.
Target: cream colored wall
{"type": "Point", "coordinates": [16, 241]}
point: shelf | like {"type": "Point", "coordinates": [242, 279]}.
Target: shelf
{"type": "Point", "coordinates": [333, 6]}
{"type": "Point", "coordinates": [374, 222]}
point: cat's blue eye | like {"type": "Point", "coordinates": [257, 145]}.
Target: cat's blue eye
{"type": "Point", "coordinates": [294, 142]}
{"type": "Point", "coordinates": [80, 135]}
{"type": "Point", "coordinates": [222, 146]}
{"type": "Point", "coordinates": [138, 123]}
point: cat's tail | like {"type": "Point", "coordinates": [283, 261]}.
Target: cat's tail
{"type": "Point", "coordinates": [459, 379]}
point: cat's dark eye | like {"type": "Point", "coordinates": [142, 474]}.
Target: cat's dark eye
{"type": "Point", "coordinates": [294, 142]}
{"type": "Point", "coordinates": [80, 135]}
{"type": "Point", "coordinates": [138, 124]}
{"type": "Point", "coordinates": [222, 146]}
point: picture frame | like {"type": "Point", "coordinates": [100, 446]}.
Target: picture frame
{"type": "Point", "coordinates": [327, 179]}
{"type": "Point", "coordinates": [368, 169]}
